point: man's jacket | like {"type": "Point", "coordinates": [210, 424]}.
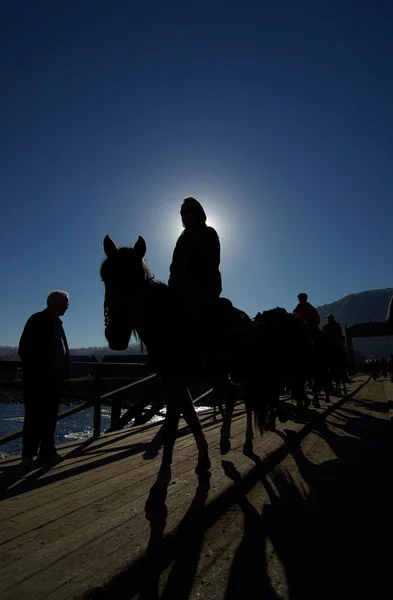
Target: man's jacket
{"type": "Point", "coordinates": [308, 313]}
{"type": "Point", "coordinates": [37, 347]}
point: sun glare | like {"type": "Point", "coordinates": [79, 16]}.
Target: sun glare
{"type": "Point", "coordinates": [214, 219]}
{"type": "Point", "coordinates": [222, 214]}
{"type": "Point", "coordinates": [221, 220]}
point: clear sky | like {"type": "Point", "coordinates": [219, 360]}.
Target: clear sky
{"type": "Point", "coordinates": [276, 115]}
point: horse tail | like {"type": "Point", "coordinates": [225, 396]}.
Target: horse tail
{"type": "Point", "coordinates": [266, 402]}
{"type": "Point", "coordinates": [260, 419]}
{"type": "Point", "coordinates": [257, 401]}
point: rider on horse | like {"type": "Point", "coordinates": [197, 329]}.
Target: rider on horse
{"type": "Point", "coordinates": [195, 278]}
{"type": "Point", "coordinates": [333, 329]}
{"type": "Point", "coordinates": [307, 312]}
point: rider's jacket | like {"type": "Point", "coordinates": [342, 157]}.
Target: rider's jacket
{"type": "Point", "coordinates": [308, 313]}
{"type": "Point", "coordinates": [195, 265]}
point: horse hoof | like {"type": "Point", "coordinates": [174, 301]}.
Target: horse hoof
{"type": "Point", "coordinates": [271, 425]}
{"type": "Point", "coordinates": [163, 477]}
{"type": "Point", "coordinates": [248, 449]}
{"type": "Point", "coordinates": [203, 466]}
{"type": "Point", "coordinates": [225, 446]}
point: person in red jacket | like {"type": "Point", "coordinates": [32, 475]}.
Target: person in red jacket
{"type": "Point", "coordinates": [333, 329]}
{"type": "Point", "coordinates": [306, 311]}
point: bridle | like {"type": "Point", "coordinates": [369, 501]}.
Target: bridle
{"type": "Point", "coordinates": [125, 298]}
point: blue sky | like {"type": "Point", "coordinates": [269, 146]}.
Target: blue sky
{"type": "Point", "coordinates": [277, 115]}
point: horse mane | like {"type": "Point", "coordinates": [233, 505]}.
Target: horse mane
{"type": "Point", "coordinates": [148, 274]}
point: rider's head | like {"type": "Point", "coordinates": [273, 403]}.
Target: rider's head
{"type": "Point", "coordinates": [192, 213]}
{"type": "Point", "coordinates": [330, 318]}
{"type": "Point", "coordinates": [302, 297]}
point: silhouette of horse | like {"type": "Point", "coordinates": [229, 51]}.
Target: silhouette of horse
{"type": "Point", "coordinates": [327, 366]}
{"type": "Point", "coordinates": [182, 349]}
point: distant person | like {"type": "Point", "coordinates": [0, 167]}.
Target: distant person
{"type": "Point", "coordinates": [43, 350]}
{"type": "Point", "coordinates": [195, 278]}
{"type": "Point", "coordinates": [383, 365]}
{"type": "Point", "coordinates": [389, 316]}
{"type": "Point", "coordinates": [390, 367]}
{"type": "Point", "coordinates": [333, 329]}
{"type": "Point", "coordinates": [307, 312]}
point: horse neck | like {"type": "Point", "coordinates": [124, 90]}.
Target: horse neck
{"type": "Point", "coordinates": [151, 306]}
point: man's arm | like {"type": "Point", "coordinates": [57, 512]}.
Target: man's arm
{"type": "Point", "coordinates": [28, 347]}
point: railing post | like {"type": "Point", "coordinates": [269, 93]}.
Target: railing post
{"type": "Point", "coordinates": [97, 403]}
{"type": "Point", "coordinates": [115, 409]}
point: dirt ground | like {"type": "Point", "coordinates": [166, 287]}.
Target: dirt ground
{"type": "Point", "coordinates": [311, 528]}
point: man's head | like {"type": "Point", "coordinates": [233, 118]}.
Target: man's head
{"type": "Point", "coordinates": [302, 297]}
{"type": "Point", "coordinates": [192, 213]}
{"type": "Point", "coordinates": [57, 302]}
{"type": "Point", "coordinates": [330, 318]}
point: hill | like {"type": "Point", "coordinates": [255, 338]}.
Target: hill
{"type": "Point", "coordinates": [358, 308]}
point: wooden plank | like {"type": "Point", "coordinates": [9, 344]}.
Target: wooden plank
{"type": "Point", "coordinates": [75, 533]}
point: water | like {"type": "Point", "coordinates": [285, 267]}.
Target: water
{"type": "Point", "coordinates": [73, 428]}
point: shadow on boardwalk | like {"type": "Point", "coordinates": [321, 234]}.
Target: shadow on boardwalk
{"type": "Point", "coordinates": [14, 480]}
{"type": "Point", "coordinates": [329, 544]}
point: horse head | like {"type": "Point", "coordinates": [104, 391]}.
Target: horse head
{"type": "Point", "coordinates": [125, 274]}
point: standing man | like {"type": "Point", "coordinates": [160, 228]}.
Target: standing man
{"type": "Point", "coordinates": [306, 311]}
{"type": "Point", "coordinates": [43, 350]}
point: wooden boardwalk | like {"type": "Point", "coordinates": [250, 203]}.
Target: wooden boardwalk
{"type": "Point", "coordinates": [71, 529]}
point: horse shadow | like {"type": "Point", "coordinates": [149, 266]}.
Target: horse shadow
{"type": "Point", "coordinates": [178, 550]}
{"type": "Point", "coordinates": [321, 532]}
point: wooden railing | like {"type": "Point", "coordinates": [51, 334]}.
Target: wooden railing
{"type": "Point", "coordinates": [142, 392]}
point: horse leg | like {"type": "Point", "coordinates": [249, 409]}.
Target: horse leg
{"type": "Point", "coordinates": [221, 390]}
{"type": "Point", "coordinates": [248, 447]}
{"type": "Point", "coordinates": [316, 397]}
{"type": "Point", "coordinates": [271, 420]}
{"type": "Point", "coordinates": [218, 389]}
{"type": "Point", "coordinates": [301, 399]}
{"type": "Point", "coordinates": [225, 434]}
{"type": "Point", "coordinates": [327, 385]}
{"type": "Point", "coordinates": [281, 414]}
{"type": "Point", "coordinates": [169, 432]}
{"type": "Point", "coordinates": [221, 409]}
{"type": "Point", "coordinates": [191, 417]}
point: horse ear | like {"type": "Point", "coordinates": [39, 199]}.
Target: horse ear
{"type": "Point", "coordinates": [109, 246]}
{"type": "Point", "coordinates": [140, 247]}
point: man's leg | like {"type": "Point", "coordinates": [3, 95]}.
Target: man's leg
{"type": "Point", "coordinates": [31, 423]}
{"type": "Point", "coordinates": [49, 418]}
